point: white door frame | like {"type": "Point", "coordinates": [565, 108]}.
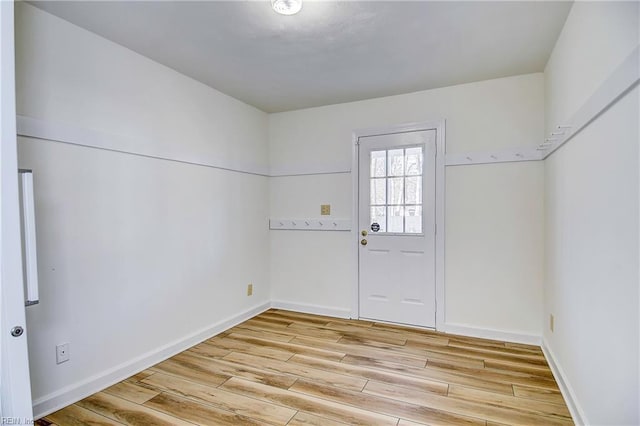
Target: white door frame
{"type": "Point", "coordinates": [439, 127]}
{"type": "Point", "coordinates": [15, 389]}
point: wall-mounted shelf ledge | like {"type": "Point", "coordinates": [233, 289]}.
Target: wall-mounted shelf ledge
{"type": "Point", "coordinates": [315, 224]}
{"type": "Point", "coordinates": [488, 157]}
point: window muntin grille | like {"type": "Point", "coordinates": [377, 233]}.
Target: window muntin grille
{"type": "Point", "coordinates": [396, 189]}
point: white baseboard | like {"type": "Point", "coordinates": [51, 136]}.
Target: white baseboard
{"type": "Point", "coordinates": [568, 394]}
{"type": "Point", "coordinates": [487, 333]}
{"type": "Point", "coordinates": [311, 309]}
{"type": "Point", "coordinates": [77, 391]}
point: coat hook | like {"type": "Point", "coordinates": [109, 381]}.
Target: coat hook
{"type": "Point", "coordinates": [494, 157]}
{"type": "Point", "coordinates": [469, 158]}
{"type": "Point", "coordinates": [306, 223]}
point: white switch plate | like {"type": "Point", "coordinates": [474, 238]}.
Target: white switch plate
{"type": "Point", "coordinates": [62, 353]}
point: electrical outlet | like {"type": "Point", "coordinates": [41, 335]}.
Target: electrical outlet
{"type": "Point", "coordinates": [325, 209]}
{"type": "Point", "coordinates": [249, 289]}
{"type": "Point", "coordinates": [551, 322]}
{"type": "Point", "coordinates": [62, 353]}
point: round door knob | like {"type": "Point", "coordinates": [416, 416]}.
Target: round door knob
{"type": "Point", "coordinates": [363, 242]}
{"type": "Point", "coordinates": [17, 331]}
{"type": "Point", "coordinates": [363, 232]}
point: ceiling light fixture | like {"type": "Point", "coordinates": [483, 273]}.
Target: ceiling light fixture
{"type": "Point", "coordinates": [286, 7]}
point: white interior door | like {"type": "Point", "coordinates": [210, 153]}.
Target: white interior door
{"type": "Point", "coordinates": [15, 388]}
{"type": "Point", "coordinates": [396, 215]}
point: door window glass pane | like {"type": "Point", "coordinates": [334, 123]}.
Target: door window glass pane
{"type": "Point", "coordinates": [378, 163]}
{"type": "Point", "coordinates": [413, 219]}
{"type": "Point", "coordinates": [378, 192]}
{"type": "Point", "coordinates": [395, 218]}
{"type": "Point", "coordinates": [396, 162]}
{"type": "Point", "coordinates": [379, 216]}
{"type": "Point", "coordinates": [413, 190]}
{"type": "Point", "coordinates": [396, 191]}
{"type": "Point", "coordinates": [413, 161]}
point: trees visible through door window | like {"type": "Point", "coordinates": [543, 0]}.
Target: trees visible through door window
{"type": "Point", "coordinates": [396, 190]}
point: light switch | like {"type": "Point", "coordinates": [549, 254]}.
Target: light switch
{"type": "Point", "coordinates": [325, 209]}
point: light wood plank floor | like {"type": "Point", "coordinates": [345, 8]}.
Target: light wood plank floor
{"type": "Point", "coordinates": [287, 368]}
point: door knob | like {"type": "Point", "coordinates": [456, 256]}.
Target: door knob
{"type": "Point", "coordinates": [363, 242]}
{"type": "Point", "coordinates": [363, 232]}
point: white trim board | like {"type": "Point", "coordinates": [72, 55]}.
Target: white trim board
{"type": "Point", "coordinates": [492, 334]}
{"type": "Point", "coordinates": [311, 309]}
{"type": "Point", "coordinates": [621, 81]}
{"type": "Point", "coordinates": [89, 138]}
{"type": "Point", "coordinates": [577, 413]}
{"type": "Point", "coordinates": [328, 169]}
{"type": "Point", "coordinates": [77, 391]}
{"type": "Point", "coordinates": [440, 127]}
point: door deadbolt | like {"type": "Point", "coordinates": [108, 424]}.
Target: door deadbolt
{"type": "Point", "coordinates": [363, 242]}
{"type": "Point", "coordinates": [363, 232]}
{"type": "Point", "coordinates": [17, 331]}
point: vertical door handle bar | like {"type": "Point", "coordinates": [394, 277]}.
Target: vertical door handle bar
{"type": "Point", "coordinates": [29, 229]}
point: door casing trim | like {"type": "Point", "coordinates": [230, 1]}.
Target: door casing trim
{"type": "Point", "coordinates": [440, 127]}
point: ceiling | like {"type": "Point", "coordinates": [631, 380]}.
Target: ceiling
{"type": "Point", "coordinates": [332, 51]}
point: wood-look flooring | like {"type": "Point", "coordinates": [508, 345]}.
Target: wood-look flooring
{"type": "Point", "coordinates": [288, 368]}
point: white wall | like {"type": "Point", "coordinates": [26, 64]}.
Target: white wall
{"type": "Point", "coordinates": [135, 253]}
{"type": "Point", "coordinates": [495, 241]}
{"type": "Point", "coordinates": [494, 213]}
{"type": "Point", "coordinates": [595, 39]}
{"type": "Point", "coordinates": [312, 268]}
{"type": "Point", "coordinates": [592, 220]}
{"type": "Point", "coordinates": [71, 76]}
